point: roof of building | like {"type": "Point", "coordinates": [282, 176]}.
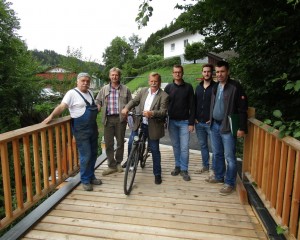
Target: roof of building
{"type": "Point", "coordinates": [223, 55]}
{"type": "Point", "coordinates": [177, 32]}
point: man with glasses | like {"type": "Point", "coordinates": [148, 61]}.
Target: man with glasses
{"type": "Point", "coordinates": [181, 112]}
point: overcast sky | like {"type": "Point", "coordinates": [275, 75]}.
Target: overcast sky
{"type": "Point", "coordinates": [90, 25]}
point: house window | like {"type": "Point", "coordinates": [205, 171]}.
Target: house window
{"type": "Point", "coordinates": [185, 42]}
{"type": "Point", "coordinates": [172, 46]}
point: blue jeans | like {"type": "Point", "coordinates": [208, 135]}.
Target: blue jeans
{"type": "Point", "coordinates": [203, 135]}
{"type": "Point", "coordinates": [180, 138]}
{"type": "Point", "coordinates": [224, 147]}
{"type": "Point", "coordinates": [154, 147]}
{"type": "Point", "coordinates": [130, 140]}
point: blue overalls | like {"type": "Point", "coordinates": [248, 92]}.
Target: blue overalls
{"type": "Point", "coordinates": [85, 130]}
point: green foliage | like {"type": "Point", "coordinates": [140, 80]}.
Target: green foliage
{"type": "Point", "coordinates": [266, 39]}
{"type": "Point", "coordinates": [159, 64]}
{"type": "Point", "coordinates": [286, 128]}
{"type": "Point", "coordinates": [280, 230]}
{"type": "Point", "coordinates": [117, 54]}
{"type": "Point", "coordinates": [18, 85]}
{"type": "Point", "coordinates": [195, 51]}
{"type": "Point", "coordinates": [191, 73]}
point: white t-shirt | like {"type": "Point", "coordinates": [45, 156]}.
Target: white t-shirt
{"type": "Point", "coordinates": [75, 102]}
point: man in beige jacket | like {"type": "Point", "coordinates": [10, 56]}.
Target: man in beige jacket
{"type": "Point", "coordinates": [153, 104]}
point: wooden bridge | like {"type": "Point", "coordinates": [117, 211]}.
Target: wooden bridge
{"type": "Point", "coordinates": [173, 210]}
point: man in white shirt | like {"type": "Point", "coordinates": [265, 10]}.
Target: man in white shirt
{"type": "Point", "coordinates": [83, 110]}
{"type": "Point", "coordinates": [153, 104]}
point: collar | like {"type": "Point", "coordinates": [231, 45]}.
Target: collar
{"type": "Point", "coordinates": [149, 91]}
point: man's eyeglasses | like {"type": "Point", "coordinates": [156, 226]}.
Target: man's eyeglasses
{"type": "Point", "coordinates": [177, 72]}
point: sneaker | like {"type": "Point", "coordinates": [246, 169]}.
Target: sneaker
{"type": "Point", "coordinates": [119, 168]}
{"type": "Point", "coordinates": [87, 187]}
{"type": "Point", "coordinates": [109, 171]}
{"type": "Point", "coordinates": [185, 175]}
{"type": "Point", "coordinates": [176, 171]}
{"type": "Point", "coordinates": [124, 164]}
{"type": "Point", "coordinates": [213, 180]}
{"type": "Point", "coordinates": [226, 190]}
{"type": "Point", "coordinates": [158, 179]}
{"type": "Point", "coordinates": [202, 170]}
{"type": "Point", "coordinates": [96, 181]}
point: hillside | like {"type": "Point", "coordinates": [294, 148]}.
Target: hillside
{"type": "Point", "coordinates": [191, 73]}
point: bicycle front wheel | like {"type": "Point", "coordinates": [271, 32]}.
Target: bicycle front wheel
{"type": "Point", "coordinates": [131, 168]}
{"type": "Point", "coordinates": [145, 155]}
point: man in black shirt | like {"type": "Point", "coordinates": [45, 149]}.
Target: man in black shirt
{"type": "Point", "coordinates": [202, 118]}
{"type": "Point", "coordinates": [181, 113]}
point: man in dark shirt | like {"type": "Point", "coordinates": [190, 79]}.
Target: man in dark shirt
{"type": "Point", "coordinates": [202, 120]}
{"type": "Point", "coordinates": [228, 97]}
{"type": "Point", "coordinates": [181, 113]}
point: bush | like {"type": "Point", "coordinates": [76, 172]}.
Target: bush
{"type": "Point", "coordinates": [160, 64]}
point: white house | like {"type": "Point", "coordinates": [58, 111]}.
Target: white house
{"type": "Point", "coordinates": [175, 43]}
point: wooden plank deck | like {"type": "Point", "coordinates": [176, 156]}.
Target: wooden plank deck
{"type": "Point", "coordinates": [173, 210]}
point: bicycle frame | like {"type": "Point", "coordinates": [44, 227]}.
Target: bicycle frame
{"type": "Point", "coordinates": [137, 154]}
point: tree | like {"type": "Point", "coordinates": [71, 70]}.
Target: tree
{"type": "Point", "coordinates": [19, 88]}
{"type": "Point", "coordinates": [117, 54]}
{"type": "Point", "coordinates": [135, 43]}
{"type": "Point", "coordinates": [195, 51]}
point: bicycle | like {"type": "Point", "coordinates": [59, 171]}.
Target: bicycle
{"type": "Point", "coordinates": [139, 153]}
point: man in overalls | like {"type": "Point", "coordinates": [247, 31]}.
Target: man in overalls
{"type": "Point", "coordinates": [83, 110]}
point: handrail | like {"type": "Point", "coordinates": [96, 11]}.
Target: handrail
{"type": "Point", "coordinates": [39, 157]}
{"type": "Point", "coordinates": [272, 165]}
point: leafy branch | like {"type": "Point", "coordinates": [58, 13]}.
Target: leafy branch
{"type": "Point", "coordinates": [286, 128]}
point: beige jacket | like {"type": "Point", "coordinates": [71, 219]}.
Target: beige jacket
{"type": "Point", "coordinates": [159, 107]}
{"type": "Point", "coordinates": [124, 98]}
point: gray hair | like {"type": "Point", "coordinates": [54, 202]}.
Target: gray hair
{"type": "Point", "coordinates": [83, 74]}
{"type": "Point", "coordinates": [115, 69]}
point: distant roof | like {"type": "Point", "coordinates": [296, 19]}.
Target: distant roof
{"type": "Point", "coordinates": [224, 55]}
{"type": "Point", "coordinates": [177, 32]}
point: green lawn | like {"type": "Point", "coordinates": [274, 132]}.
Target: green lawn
{"type": "Point", "coordinates": [191, 73]}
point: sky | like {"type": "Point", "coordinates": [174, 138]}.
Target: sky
{"type": "Point", "coordinates": [88, 25]}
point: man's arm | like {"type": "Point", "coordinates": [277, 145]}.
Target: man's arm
{"type": "Point", "coordinates": [56, 112]}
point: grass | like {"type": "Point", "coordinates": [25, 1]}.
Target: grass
{"type": "Point", "coordinates": [191, 73]}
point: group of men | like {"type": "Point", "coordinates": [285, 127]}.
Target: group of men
{"type": "Point", "coordinates": [207, 110]}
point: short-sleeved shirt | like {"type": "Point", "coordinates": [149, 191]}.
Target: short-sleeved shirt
{"type": "Point", "coordinates": [75, 102]}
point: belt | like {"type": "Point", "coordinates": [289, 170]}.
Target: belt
{"type": "Point", "coordinates": [219, 122]}
{"type": "Point", "coordinates": [113, 115]}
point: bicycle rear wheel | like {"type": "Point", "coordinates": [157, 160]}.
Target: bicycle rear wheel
{"type": "Point", "coordinates": [131, 168]}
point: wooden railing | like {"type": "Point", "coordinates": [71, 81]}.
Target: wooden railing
{"type": "Point", "coordinates": [272, 165]}
{"type": "Point", "coordinates": [34, 161]}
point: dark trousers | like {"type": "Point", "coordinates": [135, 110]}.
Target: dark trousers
{"type": "Point", "coordinates": [154, 147]}
{"type": "Point", "coordinates": [114, 129]}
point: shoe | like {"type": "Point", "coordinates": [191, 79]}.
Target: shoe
{"type": "Point", "coordinates": [158, 179]}
{"type": "Point", "coordinates": [213, 180]}
{"type": "Point", "coordinates": [119, 168]}
{"type": "Point", "coordinates": [109, 171]}
{"type": "Point", "coordinates": [202, 170]}
{"type": "Point", "coordinates": [87, 187]}
{"type": "Point", "coordinates": [185, 175]}
{"type": "Point", "coordinates": [96, 181]}
{"type": "Point", "coordinates": [176, 171]}
{"type": "Point", "coordinates": [124, 164]}
{"type": "Point", "coordinates": [226, 190]}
